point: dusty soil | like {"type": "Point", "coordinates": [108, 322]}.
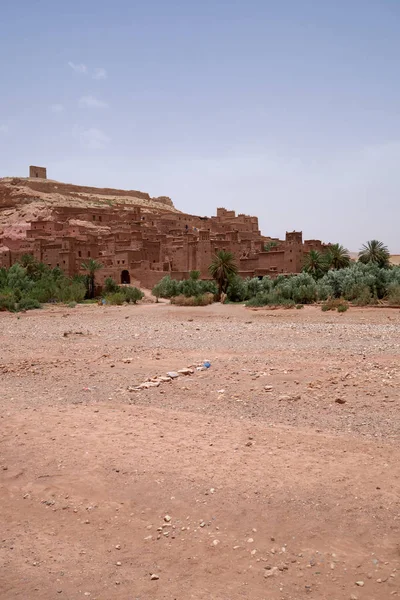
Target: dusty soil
{"type": "Point", "coordinates": [245, 481]}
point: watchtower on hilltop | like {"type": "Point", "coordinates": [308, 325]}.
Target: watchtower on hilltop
{"type": "Point", "coordinates": [39, 172]}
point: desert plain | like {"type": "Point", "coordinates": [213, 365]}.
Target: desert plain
{"type": "Point", "coordinates": [271, 475]}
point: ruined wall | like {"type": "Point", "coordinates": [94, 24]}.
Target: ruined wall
{"type": "Point", "coordinates": [38, 172]}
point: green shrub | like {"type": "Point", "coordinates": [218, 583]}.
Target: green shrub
{"type": "Point", "coordinates": [393, 296]}
{"type": "Point", "coordinates": [115, 299]}
{"type": "Point", "coordinates": [269, 245]}
{"type": "Point", "coordinates": [45, 291]}
{"type": "Point", "coordinates": [363, 296]}
{"type": "Point", "coordinates": [271, 299]}
{"type": "Point", "coordinates": [299, 306]}
{"type": "Point", "coordinates": [7, 300]}
{"type": "Point", "coordinates": [237, 290]}
{"type": "Point", "coordinates": [71, 291]}
{"type": "Point", "coordinates": [169, 288]}
{"type": "Point", "coordinates": [199, 300]}
{"type": "Point", "coordinates": [18, 281]}
{"type": "Point", "coordinates": [253, 286]}
{"type": "Point", "coordinates": [288, 303]}
{"type": "Point", "coordinates": [166, 288]}
{"type": "Point", "coordinates": [111, 286]}
{"type": "Point", "coordinates": [77, 292]}
{"type": "Point", "coordinates": [301, 288]}
{"type": "Point", "coordinates": [132, 294]}
{"type": "Point", "coordinates": [266, 285]}
{"type": "Point", "coordinates": [72, 304]}
{"type": "Point", "coordinates": [324, 289]}
{"type": "Point", "coordinates": [28, 304]}
{"type": "Point", "coordinates": [338, 304]}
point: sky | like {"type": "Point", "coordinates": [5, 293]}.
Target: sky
{"type": "Point", "coordinates": [288, 110]}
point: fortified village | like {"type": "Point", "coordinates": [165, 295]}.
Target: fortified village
{"type": "Point", "coordinates": [137, 238]}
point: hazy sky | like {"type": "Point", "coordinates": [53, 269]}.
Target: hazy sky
{"type": "Point", "coordinates": [286, 109]}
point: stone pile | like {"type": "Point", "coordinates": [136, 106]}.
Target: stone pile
{"type": "Point", "coordinates": [156, 381]}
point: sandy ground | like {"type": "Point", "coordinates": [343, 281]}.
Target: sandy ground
{"type": "Point", "coordinates": [273, 475]}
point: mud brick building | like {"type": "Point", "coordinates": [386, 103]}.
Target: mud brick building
{"type": "Point", "coordinates": [140, 242]}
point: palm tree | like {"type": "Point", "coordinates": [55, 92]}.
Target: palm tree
{"type": "Point", "coordinates": [222, 268]}
{"type": "Point", "coordinates": [91, 267]}
{"type": "Point", "coordinates": [374, 252]}
{"type": "Point", "coordinates": [337, 257]}
{"type": "Point", "coordinates": [194, 275]}
{"type": "Point", "coordinates": [33, 268]}
{"type": "Point", "coordinates": [314, 264]}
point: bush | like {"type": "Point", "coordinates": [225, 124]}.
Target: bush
{"type": "Point", "coordinates": [253, 286]}
{"type": "Point", "coordinates": [338, 304]}
{"type": "Point", "coordinates": [71, 291]}
{"type": "Point", "coordinates": [132, 294]}
{"type": "Point", "coordinates": [362, 296]}
{"type": "Point", "coordinates": [45, 290]}
{"type": "Point", "coordinates": [71, 304]}
{"type": "Point", "coordinates": [200, 300]}
{"type": "Point", "coordinates": [18, 281]}
{"type": "Point", "coordinates": [28, 304]}
{"type": "Point", "coordinates": [110, 286]}
{"type": "Point", "coordinates": [342, 308]}
{"type": "Point", "coordinates": [393, 296]}
{"type": "Point", "coordinates": [169, 288]}
{"type": "Point", "coordinates": [166, 288]}
{"type": "Point", "coordinates": [237, 290]}
{"type": "Point", "coordinates": [115, 299]}
{"type": "Point", "coordinates": [35, 281]}
{"type": "Point", "coordinates": [364, 284]}
{"type": "Point", "coordinates": [7, 301]}
{"type": "Point", "coordinates": [299, 306]}
{"type": "Point", "coordinates": [271, 299]}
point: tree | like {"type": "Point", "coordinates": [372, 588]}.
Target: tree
{"type": "Point", "coordinates": [269, 245]}
{"type": "Point", "coordinates": [314, 264]}
{"type": "Point", "coordinates": [34, 269]}
{"type": "Point", "coordinates": [374, 252]}
{"type": "Point", "coordinates": [222, 268]}
{"type": "Point", "coordinates": [337, 257]}
{"type": "Point", "coordinates": [111, 286]}
{"type": "Point", "coordinates": [91, 267]}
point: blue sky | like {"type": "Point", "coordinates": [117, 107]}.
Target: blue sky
{"type": "Point", "coordinates": [289, 110]}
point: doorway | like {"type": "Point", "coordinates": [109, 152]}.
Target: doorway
{"type": "Point", "coordinates": [125, 277]}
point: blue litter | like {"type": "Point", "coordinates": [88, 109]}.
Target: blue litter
{"type": "Point", "coordinates": [206, 364]}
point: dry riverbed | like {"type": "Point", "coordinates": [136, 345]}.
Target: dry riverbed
{"type": "Point", "coordinates": [272, 475]}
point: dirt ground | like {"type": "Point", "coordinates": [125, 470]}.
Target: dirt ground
{"type": "Point", "coordinates": [272, 475]}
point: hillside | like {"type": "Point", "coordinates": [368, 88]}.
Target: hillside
{"type": "Point", "coordinates": [26, 199]}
